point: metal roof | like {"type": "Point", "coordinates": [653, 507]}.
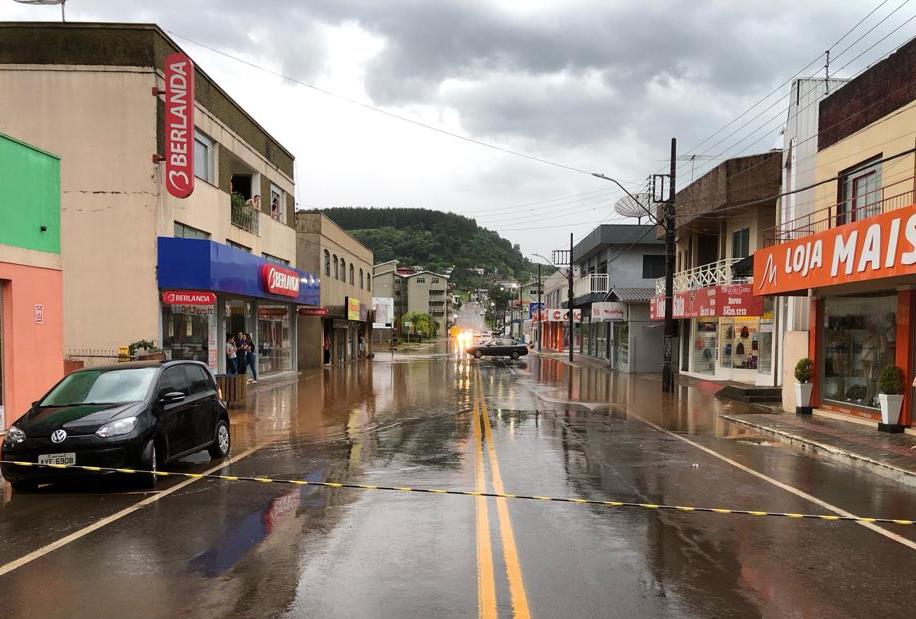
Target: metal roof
{"type": "Point", "coordinates": [606, 236]}
{"type": "Point", "coordinates": [632, 295]}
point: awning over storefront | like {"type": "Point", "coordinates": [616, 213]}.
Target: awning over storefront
{"type": "Point", "coordinates": [198, 264]}
{"type": "Point", "coordinates": [632, 295]}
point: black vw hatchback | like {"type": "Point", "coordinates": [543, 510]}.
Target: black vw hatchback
{"type": "Point", "coordinates": [129, 415]}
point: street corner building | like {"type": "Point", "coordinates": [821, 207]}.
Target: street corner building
{"type": "Point", "coordinates": [841, 259]}
{"type": "Point", "coordinates": [337, 326]}
{"type": "Point", "coordinates": [177, 209]}
{"type": "Point", "coordinates": [31, 282]}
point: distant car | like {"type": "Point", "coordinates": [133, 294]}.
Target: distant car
{"type": "Point", "coordinates": [129, 415]}
{"type": "Point", "coordinates": [500, 347]}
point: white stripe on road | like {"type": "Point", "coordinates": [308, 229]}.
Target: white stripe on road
{"type": "Point", "coordinates": [95, 526]}
{"type": "Point", "coordinates": [801, 493]}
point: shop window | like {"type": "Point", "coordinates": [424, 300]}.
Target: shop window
{"type": "Point", "coordinates": [204, 151]}
{"type": "Point", "coordinates": [704, 347]}
{"type": "Point", "coordinates": [274, 339]}
{"type": "Point", "coordinates": [189, 333]}
{"type": "Point", "coordinates": [859, 341]}
{"type": "Point", "coordinates": [653, 266]}
{"type": "Point", "coordinates": [739, 343]}
{"type": "Point", "coordinates": [860, 192]}
{"type": "Point", "coordinates": [741, 240]}
{"type": "Point", "coordinates": [187, 232]}
{"type": "Point", "coordinates": [765, 339]}
{"type": "Point", "coordinates": [327, 263]}
{"type": "Point", "coordinates": [277, 202]}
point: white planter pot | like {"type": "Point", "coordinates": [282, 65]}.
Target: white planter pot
{"type": "Point", "coordinates": [803, 394]}
{"type": "Point", "coordinates": [890, 408]}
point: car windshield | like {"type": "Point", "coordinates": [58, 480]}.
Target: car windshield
{"type": "Point", "coordinates": [101, 387]}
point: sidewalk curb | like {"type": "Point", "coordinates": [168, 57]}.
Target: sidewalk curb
{"type": "Point", "coordinates": [881, 468]}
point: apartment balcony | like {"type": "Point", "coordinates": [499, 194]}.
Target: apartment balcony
{"type": "Point", "coordinates": [866, 204]}
{"type": "Point", "coordinates": [244, 216]}
{"type": "Point", "coordinates": [713, 274]}
{"type": "Point", "coordinates": [594, 283]}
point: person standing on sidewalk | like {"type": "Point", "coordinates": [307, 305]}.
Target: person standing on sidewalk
{"type": "Point", "coordinates": [241, 346]}
{"type": "Point", "coordinates": [231, 356]}
{"type": "Point", "coordinates": [251, 358]}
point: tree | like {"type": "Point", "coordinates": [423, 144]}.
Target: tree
{"type": "Point", "coordinates": [420, 323]}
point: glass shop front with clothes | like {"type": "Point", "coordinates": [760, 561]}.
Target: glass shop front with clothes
{"type": "Point", "coordinates": [212, 293]}
{"type": "Point", "coordinates": [727, 333]}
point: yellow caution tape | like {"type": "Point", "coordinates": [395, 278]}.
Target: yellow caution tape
{"type": "Point", "coordinates": [334, 484]}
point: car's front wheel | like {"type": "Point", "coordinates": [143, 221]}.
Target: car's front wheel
{"type": "Point", "coordinates": [149, 463]}
{"type": "Point", "coordinates": [478, 354]}
{"type": "Point", "coordinates": [514, 354]}
{"type": "Point", "coordinates": [222, 443]}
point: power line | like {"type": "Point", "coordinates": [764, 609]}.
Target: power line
{"type": "Point", "coordinates": [378, 110]}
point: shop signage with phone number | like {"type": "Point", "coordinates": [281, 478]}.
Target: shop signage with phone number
{"type": "Point", "coordinates": [732, 300]}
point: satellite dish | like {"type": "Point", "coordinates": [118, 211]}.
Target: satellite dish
{"type": "Point", "coordinates": [628, 207]}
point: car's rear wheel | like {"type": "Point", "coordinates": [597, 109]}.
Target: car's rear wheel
{"type": "Point", "coordinates": [478, 354]}
{"type": "Point", "coordinates": [514, 354]}
{"type": "Point", "coordinates": [25, 485]}
{"type": "Point", "coordinates": [223, 441]}
{"type": "Point", "coordinates": [149, 463]}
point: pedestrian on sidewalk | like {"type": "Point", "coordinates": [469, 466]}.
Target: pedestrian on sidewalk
{"type": "Point", "coordinates": [327, 350]}
{"type": "Point", "coordinates": [231, 354]}
{"type": "Point", "coordinates": [251, 359]}
{"type": "Point", "coordinates": [242, 347]}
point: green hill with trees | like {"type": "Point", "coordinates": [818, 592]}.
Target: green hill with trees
{"type": "Point", "coordinates": [434, 240]}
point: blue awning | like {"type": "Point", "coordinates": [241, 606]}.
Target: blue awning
{"type": "Point", "coordinates": [199, 264]}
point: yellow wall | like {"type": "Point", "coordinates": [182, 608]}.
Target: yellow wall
{"type": "Point", "coordinates": [892, 134]}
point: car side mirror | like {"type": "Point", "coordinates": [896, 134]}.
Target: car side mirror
{"type": "Point", "coordinates": [171, 397]}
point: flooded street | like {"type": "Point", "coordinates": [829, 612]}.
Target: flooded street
{"type": "Point", "coordinates": [427, 419]}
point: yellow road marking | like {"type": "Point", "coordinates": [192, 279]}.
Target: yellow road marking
{"type": "Point", "coordinates": [486, 585]}
{"type": "Point", "coordinates": [510, 552]}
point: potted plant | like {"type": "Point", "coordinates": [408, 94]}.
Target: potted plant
{"type": "Point", "coordinates": [151, 352]}
{"type": "Point", "coordinates": [890, 394]}
{"type": "Point", "coordinates": [804, 370]}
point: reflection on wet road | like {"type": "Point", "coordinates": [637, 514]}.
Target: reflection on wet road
{"type": "Point", "coordinates": [222, 549]}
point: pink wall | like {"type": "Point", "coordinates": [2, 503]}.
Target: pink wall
{"type": "Point", "coordinates": [33, 354]}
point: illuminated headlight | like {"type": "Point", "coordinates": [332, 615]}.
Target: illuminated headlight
{"type": "Point", "coordinates": [15, 435]}
{"type": "Point", "coordinates": [117, 428]}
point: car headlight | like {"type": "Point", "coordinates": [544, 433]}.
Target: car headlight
{"type": "Point", "coordinates": [117, 428]}
{"type": "Point", "coordinates": [15, 435]}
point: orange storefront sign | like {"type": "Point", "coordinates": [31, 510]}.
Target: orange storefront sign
{"type": "Point", "coordinates": [873, 248]}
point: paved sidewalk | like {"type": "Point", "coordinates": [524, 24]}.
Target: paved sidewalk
{"type": "Point", "coordinates": [892, 455]}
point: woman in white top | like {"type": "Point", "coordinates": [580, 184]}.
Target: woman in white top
{"type": "Point", "coordinates": [231, 355]}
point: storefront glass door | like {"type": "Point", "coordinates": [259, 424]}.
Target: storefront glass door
{"type": "Point", "coordinates": [274, 338]}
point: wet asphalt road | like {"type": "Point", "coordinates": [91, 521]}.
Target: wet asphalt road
{"type": "Point", "coordinates": [423, 419]}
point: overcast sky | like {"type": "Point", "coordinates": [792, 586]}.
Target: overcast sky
{"type": "Point", "coordinates": [598, 85]}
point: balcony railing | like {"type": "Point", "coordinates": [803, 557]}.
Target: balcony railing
{"type": "Point", "coordinates": [594, 283]}
{"type": "Point", "coordinates": [244, 216]}
{"type": "Point", "coordinates": [712, 274]}
{"type": "Point", "coordinates": [883, 200]}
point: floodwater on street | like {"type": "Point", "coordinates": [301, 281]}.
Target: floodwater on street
{"type": "Point", "coordinates": [429, 419]}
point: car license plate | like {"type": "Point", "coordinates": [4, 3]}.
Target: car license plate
{"type": "Point", "coordinates": [67, 458]}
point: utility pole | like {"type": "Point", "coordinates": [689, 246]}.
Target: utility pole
{"type": "Point", "coordinates": [540, 314]}
{"type": "Point", "coordinates": [572, 339]}
{"type": "Point", "coordinates": [667, 369]}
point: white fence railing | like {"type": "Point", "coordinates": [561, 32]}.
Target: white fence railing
{"type": "Point", "coordinates": [595, 283]}
{"type": "Point", "coordinates": [712, 274]}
